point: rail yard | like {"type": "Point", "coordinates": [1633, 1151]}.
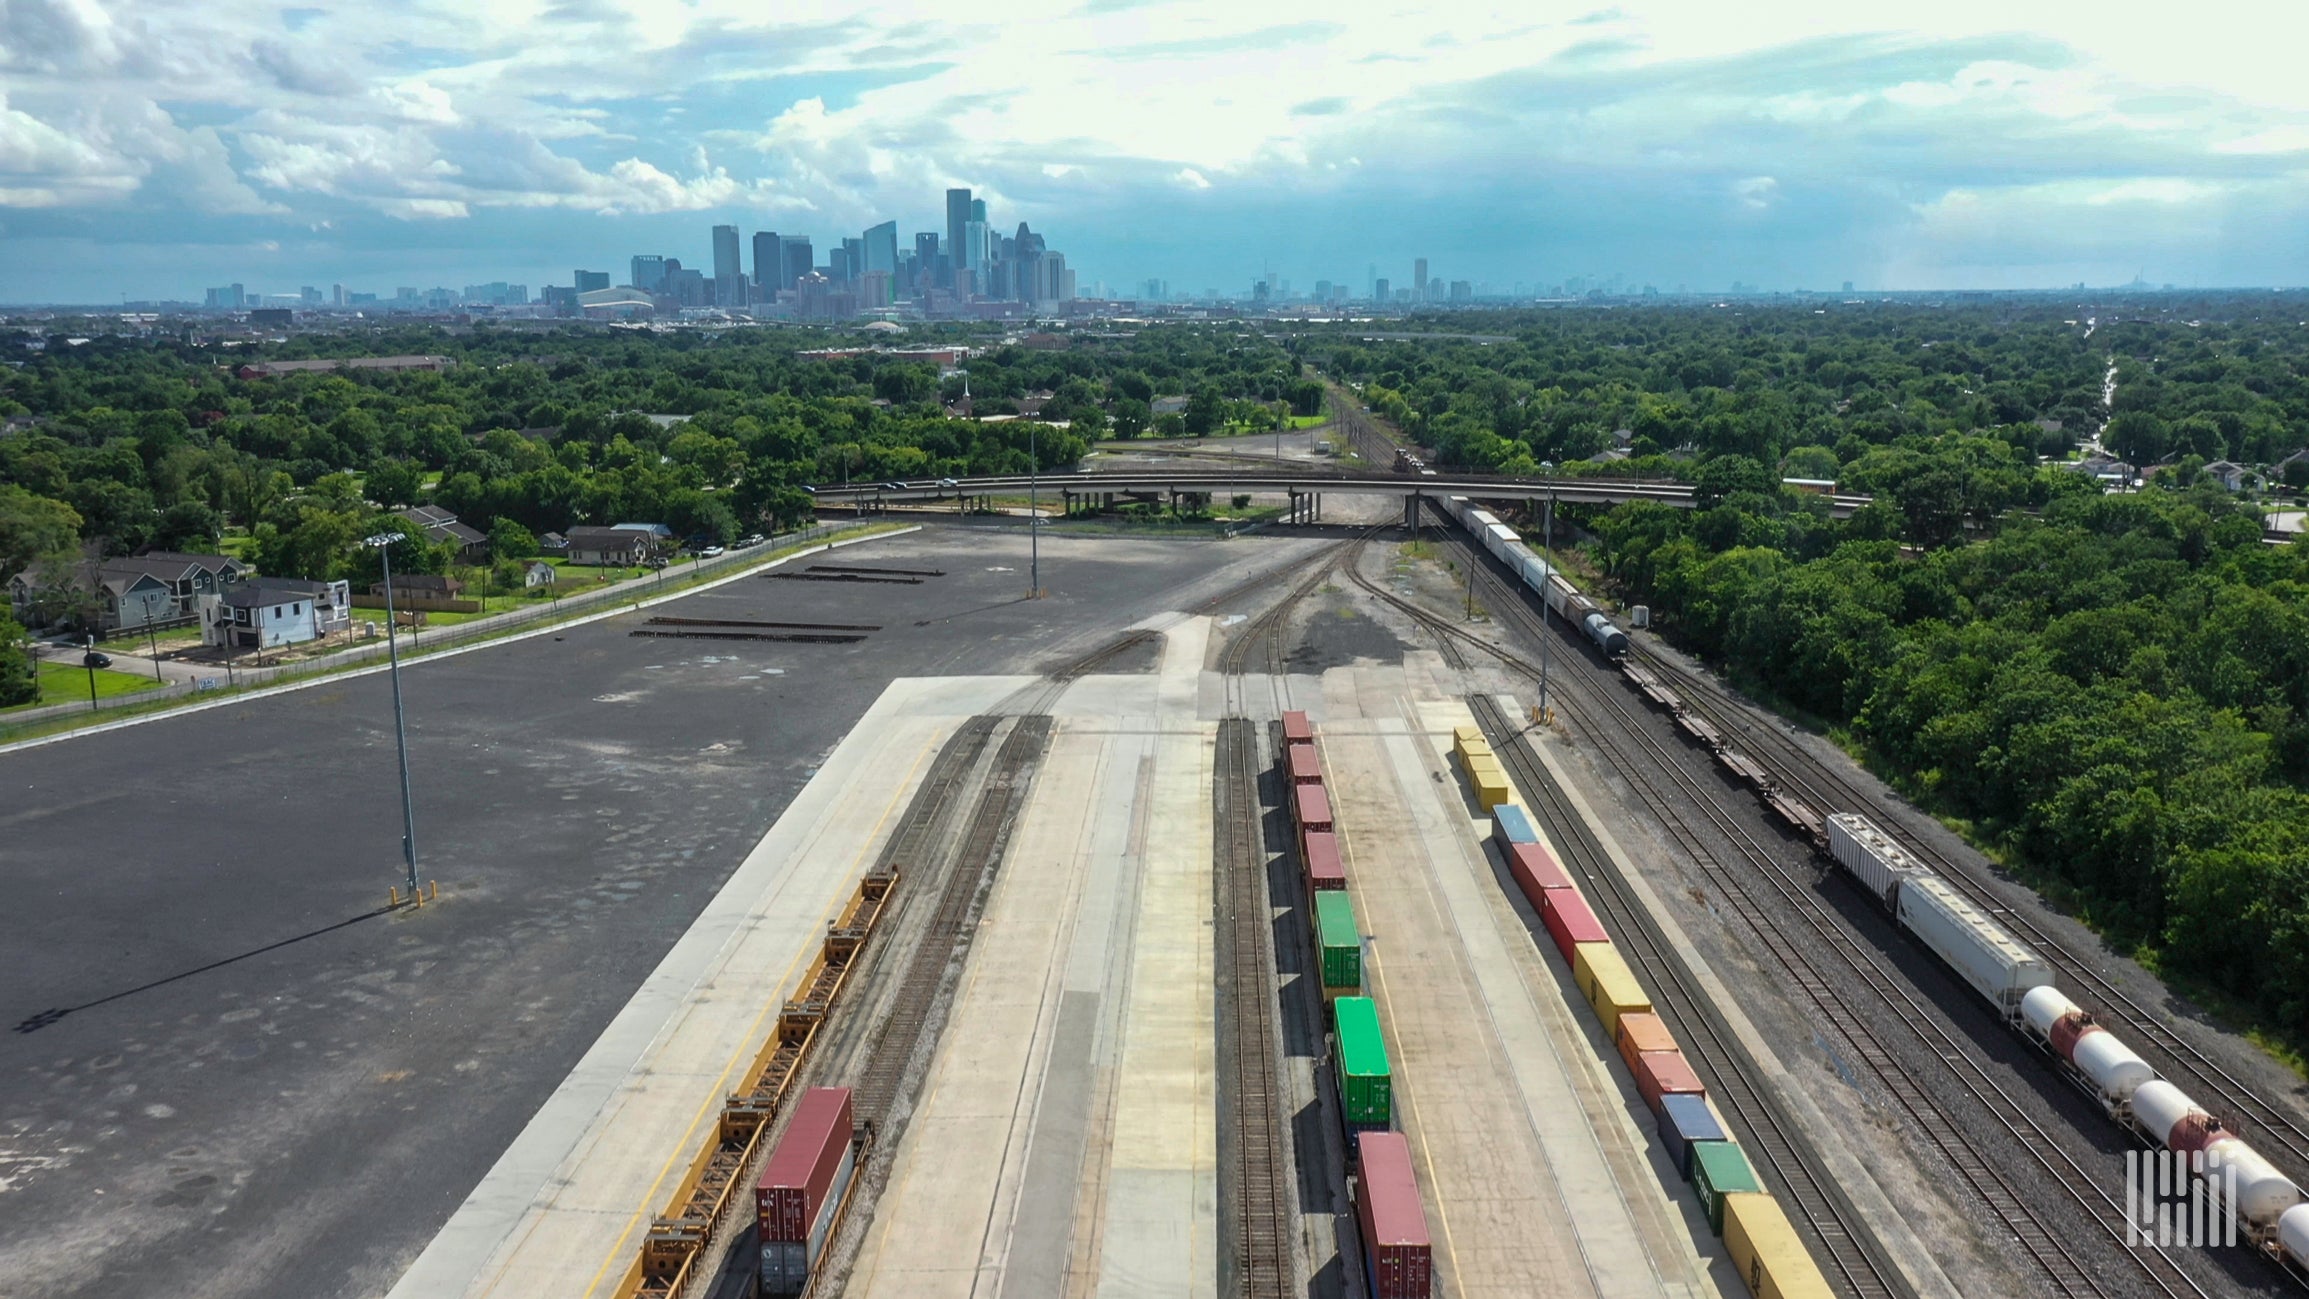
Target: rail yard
{"type": "Point", "coordinates": [1241, 918]}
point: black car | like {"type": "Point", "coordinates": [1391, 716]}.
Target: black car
{"type": "Point", "coordinates": [93, 659]}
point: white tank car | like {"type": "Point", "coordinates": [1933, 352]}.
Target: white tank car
{"type": "Point", "coordinates": [2042, 1007]}
{"type": "Point", "coordinates": [2293, 1237]}
{"type": "Point", "coordinates": [2113, 1068]}
{"type": "Point", "coordinates": [2159, 1107]}
{"type": "Point", "coordinates": [2263, 1193]}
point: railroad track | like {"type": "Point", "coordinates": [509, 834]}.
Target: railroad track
{"type": "Point", "coordinates": [1824, 962]}
{"type": "Point", "coordinates": [1827, 791]}
{"type": "Point", "coordinates": [1262, 1193]}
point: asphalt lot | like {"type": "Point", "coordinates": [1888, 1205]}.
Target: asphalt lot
{"type": "Point", "coordinates": [300, 1118]}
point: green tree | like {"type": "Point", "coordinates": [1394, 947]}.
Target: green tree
{"type": "Point", "coordinates": [508, 540]}
{"type": "Point", "coordinates": [394, 484]}
{"type": "Point", "coordinates": [34, 529]}
{"type": "Point", "coordinates": [19, 682]}
{"type": "Point", "coordinates": [1204, 411]}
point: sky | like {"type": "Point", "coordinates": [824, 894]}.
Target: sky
{"type": "Point", "coordinates": [149, 148]}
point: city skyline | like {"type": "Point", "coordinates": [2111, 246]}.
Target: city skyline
{"type": "Point", "coordinates": [1659, 141]}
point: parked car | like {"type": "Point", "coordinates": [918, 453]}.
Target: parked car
{"type": "Point", "coordinates": [893, 487]}
{"type": "Point", "coordinates": [948, 482]}
{"type": "Point", "coordinates": [748, 543]}
{"type": "Point", "coordinates": [94, 659]}
{"type": "Point", "coordinates": [709, 552]}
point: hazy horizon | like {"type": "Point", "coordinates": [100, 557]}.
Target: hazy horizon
{"type": "Point", "coordinates": [149, 155]}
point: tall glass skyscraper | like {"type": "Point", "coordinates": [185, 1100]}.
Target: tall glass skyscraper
{"type": "Point", "coordinates": [882, 247]}
{"type": "Point", "coordinates": [957, 216]}
{"type": "Point", "coordinates": [729, 272]}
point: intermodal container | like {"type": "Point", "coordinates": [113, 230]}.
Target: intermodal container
{"type": "Point", "coordinates": [1468, 749]}
{"type": "Point", "coordinates": [1306, 768]}
{"type": "Point", "coordinates": [1666, 1073]}
{"type": "Point", "coordinates": [1311, 808]}
{"type": "Point", "coordinates": [1607, 983]}
{"type": "Point", "coordinates": [1766, 1251]}
{"type": "Point", "coordinates": [1295, 728]}
{"type": "Point", "coordinates": [1398, 1261]}
{"type": "Point", "coordinates": [1339, 938]}
{"type": "Point", "coordinates": [1325, 868]}
{"type": "Point", "coordinates": [801, 1188]}
{"type": "Point", "coordinates": [1535, 870]}
{"type": "Point", "coordinates": [1641, 1032]}
{"type": "Point", "coordinates": [1569, 921]}
{"type": "Point", "coordinates": [1686, 1123]}
{"type": "Point", "coordinates": [1490, 782]}
{"type": "Point", "coordinates": [1366, 1088]}
{"type": "Point", "coordinates": [1462, 736]}
{"type": "Point", "coordinates": [1511, 824]}
{"type": "Point", "coordinates": [1720, 1168]}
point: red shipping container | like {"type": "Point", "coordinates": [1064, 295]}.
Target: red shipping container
{"type": "Point", "coordinates": [1325, 868]}
{"type": "Point", "coordinates": [1311, 808]}
{"type": "Point", "coordinates": [1536, 871]}
{"type": "Point", "coordinates": [1569, 922]}
{"type": "Point", "coordinates": [1666, 1073]}
{"type": "Point", "coordinates": [1398, 1262]}
{"type": "Point", "coordinates": [801, 1170]}
{"type": "Point", "coordinates": [1306, 768]}
{"type": "Point", "coordinates": [1295, 727]}
{"type": "Point", "coordinates": [1641, 1031]}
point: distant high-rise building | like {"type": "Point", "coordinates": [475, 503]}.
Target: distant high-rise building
{"type": "Point", "coordinates": [1848, 286]}
{"type": "Point", "coordinates": [882, 248]}
{"type": "Point", "coordinates": [1419, 280]}
{"type": "Point", "coordinates": [1322, 290]}
{"type": "Point", "coordinates": [957, 216]}
{"type": "Point", "coordinates": [978, 209]}
{"type": "Point", "coordinates": [838, 263]}
{"type": "Point", "coordinates": [766, 264]}
{"type": "Point", "coordinates": [1379, 291]}
{"type": "Point", "coordinates": [729, 270]}
{"type": "Point", "coordinates": [854, 252]}
{"type": "Point", "coordinates": [874, 289]}
{"type": "Point", "coordinates": [588, 281]}
{"type": "Point", "coordinates": [794, 259]}
{"type": "Point", "coordinates": [1462, 291]}
{"type": "Point", "coordinates": [973, 254]}
{"type": "Point", "coordinates": [227, 297]}
{"type": "Point", "coordinates": [648, 272]}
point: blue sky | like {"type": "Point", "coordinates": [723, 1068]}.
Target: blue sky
{"type": "Point", "coordinates": [150, 149]}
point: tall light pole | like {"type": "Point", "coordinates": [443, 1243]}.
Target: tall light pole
{"type": "Point", "coordinates": [1033, 515]}
{"type": "Point", "coordinates": [383, 544]}
{"type": "Point", "coordinates": [1547, 553]}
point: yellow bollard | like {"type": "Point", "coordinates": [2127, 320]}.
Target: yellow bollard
{"type": "Point", "coordinates": [432, 890]}
{"type": "Point", "coordinates": [392, 898]}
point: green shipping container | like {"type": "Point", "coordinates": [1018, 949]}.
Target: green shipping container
{"type": "Point", "coordinates": [1364, 1084]}
{"type": "Point", "coordinates": [1720, 1168]}
{"type": "Point", "coordinates": [1341, 941]}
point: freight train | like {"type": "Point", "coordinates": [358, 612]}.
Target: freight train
{"type": "Point", "coordinates": [2269, 1209]}
{"type": "Point", "coordinates": [1397, 1259]}
{"type": "Point", "coordinates": [1507, 547]}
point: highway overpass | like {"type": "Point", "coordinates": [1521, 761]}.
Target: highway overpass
{"type": "Point", "coordinates": [1157, 482]}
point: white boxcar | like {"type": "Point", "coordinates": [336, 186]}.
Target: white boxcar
{"type": "Point", "coordinates": [1497, 538]}
{"type": "Point", "coordinates": [1997, 965]}
{"type": "Point", "coordinates": [1478, 520]}
{"type": "Point", "coordinates": [1861, 847]}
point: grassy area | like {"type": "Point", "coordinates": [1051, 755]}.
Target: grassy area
{"type": "Point", "coordinates": [1309, 421]}
{"type": "Point", "coordinates": [63, 683]}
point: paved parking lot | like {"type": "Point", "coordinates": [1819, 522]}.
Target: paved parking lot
{"type": "Point", "coordinates": [240, 1079]}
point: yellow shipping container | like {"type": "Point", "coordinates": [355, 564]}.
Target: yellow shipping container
{"type": "Point", "coordinates": [1469, 750]}
{"type": "Point", "coordinates": [1462, 736]}
{"type": "Point", "coordinates": [1607, 983]}
{"type": "Point", "coordinates": [1770, 1257]}
{"type": "Point", "coordinates": [1490, 781]}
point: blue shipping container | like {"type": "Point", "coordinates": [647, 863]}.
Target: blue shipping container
{"type": "Point", "coordinates": [1684, 1119]}
{"type": "Point", "coordinates": [1511, 824]}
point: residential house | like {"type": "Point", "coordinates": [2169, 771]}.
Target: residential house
{"type": "Point", "coordinates": [269, 612]}
{"type": "Point", "coordinates": [553, 543]}
{"type": "Point", "coordinates": [1168, 406]}
{"type": "Point", "coordinates": [657, 531]}
{"type": "Point", "coordinates": [609, 546]}
{"type": "Point", "coordinates": [159, 588]}
{"type": "Point", "coordinates": [2229, 474]}
{"type": "Point", "coordinates": [387, 364]}
{"type": "Point", "coordinates": [536, 573]}
{"type": "Point", "coordinates": [423, 586]}
{"type": "Point", "coordinates": [442, 526]}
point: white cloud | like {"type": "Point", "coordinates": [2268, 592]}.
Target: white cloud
{"type": "Point", "coordinates": [1192, 179]}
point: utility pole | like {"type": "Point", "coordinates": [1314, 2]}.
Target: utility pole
{"type": "Point", "coordinates": [382, 543]}
{"type": "Point", "coordinates": [1034, 514]}
{"type": "Point", "coordinates": [88, 660]}
{"type": "Point", "coordinates": [152, 642]}
{"type": "Point", "coordinates": [1547, 555]}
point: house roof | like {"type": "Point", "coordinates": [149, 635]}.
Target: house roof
{"type": "Point", "coordinates": [594, 536]}
{"type": "Point", "coordinates": [213, 563]}
{"type": "Point", "coordinates": [251, 596]}
{"type": "Point", "coordinates": [427, 516]}
{"type": "Point", "coordinates": [654, 529]}
{"type": "Point", "coordinates": [289, 586]}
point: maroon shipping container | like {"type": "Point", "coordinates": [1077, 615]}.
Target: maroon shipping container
{"type": "Point", "coordinates": [1666, 1073]}
{"type": "Point", "coordinates": [1536, 870]}
{"type": "Point", "coordinates": [1398, 1263]}
{"type": "Point", "coordinates": [1306, 768]}
{"type": "Point", "coordinates": [1311, 808]}
{"type": "Point", "coordinates": [1325, 868]}
{"type": "Point", "coordinates": [1569, 922]}
{"type": "Point", "coordinates": [801, 1170]}
{"type": "Point", "coordinates": [1295, 727]}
